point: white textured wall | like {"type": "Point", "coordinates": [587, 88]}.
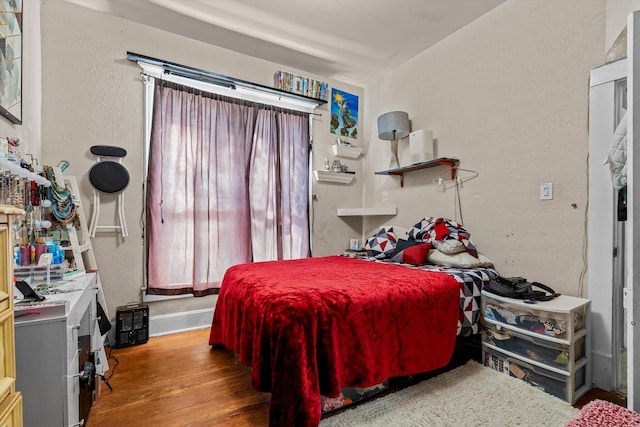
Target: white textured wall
{"type": "Point", "coordinates": [617, 12]}
{"type": "Point", "coordinates": [91, 94]}
{"type": "Point", "coordinates": [508, 95]}
{"type": "Point", "coordinates": [29, 131]}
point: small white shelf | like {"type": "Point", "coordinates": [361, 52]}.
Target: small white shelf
{"type": "Point", "coordinates": [348, 152]}
{"type": "Point", "coordinates": [384, 211]}
{"type": "Point", "coordinates": [337, 177]}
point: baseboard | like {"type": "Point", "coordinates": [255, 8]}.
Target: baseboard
{"type": "Point", "coordinates": [602, 370]}
{"type": "Point", "coordinates": [180, 322]}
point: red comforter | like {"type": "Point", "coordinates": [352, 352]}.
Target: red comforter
{"type": "Point", "coordinates": [313, 326]}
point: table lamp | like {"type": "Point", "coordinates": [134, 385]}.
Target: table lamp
{"type": "Point", "coordinates": [392, 126]}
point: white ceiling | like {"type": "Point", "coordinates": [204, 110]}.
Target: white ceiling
{"type": "Point", "coordinates": [347, 40]}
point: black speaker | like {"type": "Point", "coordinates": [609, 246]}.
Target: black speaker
{"type": "Point", "coordinates": [132, 325]}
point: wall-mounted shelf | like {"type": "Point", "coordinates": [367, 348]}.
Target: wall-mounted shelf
{"type": "Point", "coordinates": [347, 152]}
{"type": "Point", "coordinates": [336, 177]}
{"type": "Point", "coordinates": [443, 161]}
{"type": "Point", "coordinates": [383, 211]}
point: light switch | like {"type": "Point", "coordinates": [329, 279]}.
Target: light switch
{"type": "Point", "coordinates": [546, 191]}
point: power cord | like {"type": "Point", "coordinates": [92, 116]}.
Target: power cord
{"type": "Point", "coordinates": [113, 370]}
{"type": "Point", "coordinates": [458, 203]}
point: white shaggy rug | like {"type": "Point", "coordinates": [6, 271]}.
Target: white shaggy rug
{"type": "Point", "coordinates": [470, 395]}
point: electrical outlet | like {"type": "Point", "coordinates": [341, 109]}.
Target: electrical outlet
{"type": "Point", "coordinates": [546, 191]}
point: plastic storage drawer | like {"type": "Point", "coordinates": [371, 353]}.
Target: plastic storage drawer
{"type": "Point", "coordinates": [562, 386]}
{"type": "Point", "coordinates": [548, 322]}
{"type": "Point", "coordinates": [551, 353]}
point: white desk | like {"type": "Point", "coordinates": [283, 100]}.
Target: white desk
{"type": "Point", "coordinates": [52, 347]}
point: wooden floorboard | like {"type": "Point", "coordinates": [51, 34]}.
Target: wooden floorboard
{"type": "Point", "coordinates": [179, 380]}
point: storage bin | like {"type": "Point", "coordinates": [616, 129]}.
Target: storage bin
{"type": "Point", "coordinates": [553, 320]}
{"type": "Point", "coordinates": [350, 395]}
{"type": "Point", "coordinates": [565, 387]}
{"type": "Point", "coordinates": [547, 344]}
{"type": "Point", "coordinates": [551, 353]}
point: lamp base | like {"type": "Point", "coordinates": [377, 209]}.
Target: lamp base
{"type": "Point", "coordinates": [393, 164]}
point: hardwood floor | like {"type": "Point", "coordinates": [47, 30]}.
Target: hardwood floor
{"type": "Point", "coordinates": [178, 380]}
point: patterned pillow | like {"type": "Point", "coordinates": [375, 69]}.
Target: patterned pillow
{"type": "Point", "coordinates": [418, 231]}
{"type": "Point", "coordinates": [399, 231]}
{"type": "Point", "coordinates": [411, 252]}
{"type": "Point", "coordinates": [382, 244]}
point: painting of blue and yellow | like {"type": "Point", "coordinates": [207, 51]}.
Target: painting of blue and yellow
{"type": "Point", "coordinates": [344, 113]}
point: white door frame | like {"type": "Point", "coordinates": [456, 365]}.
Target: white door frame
{"type": "Point", "coordinates": [605, 276]}
{"type": "Point", "coordinates": [631, 290]}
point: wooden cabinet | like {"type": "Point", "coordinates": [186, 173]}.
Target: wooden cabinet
{"type": "Point", "coordinates": [546, 344]}
{"type": "Point", "coordinates": [56, 355]}
{"type": "Point", "coordinates": [10, 399]}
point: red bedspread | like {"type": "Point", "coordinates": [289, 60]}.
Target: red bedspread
{"type": "Point", "coordinates": [312, 326]}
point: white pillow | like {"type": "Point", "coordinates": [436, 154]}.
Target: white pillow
{"type": "Point", "coordinates": [461, 260]}
{"type": "Point", "coordinates": [449, 246]}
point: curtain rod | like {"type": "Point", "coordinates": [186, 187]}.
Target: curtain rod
{"type": "Point", "coordinates": [215, 78]}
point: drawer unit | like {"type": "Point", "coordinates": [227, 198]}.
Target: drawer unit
{"type": "Point", "coordinates": [546, 344]}
{"type": "Point", "coordinates": [535, 350]}
{"type": "Point", "coordinates": [11, 410]}
{"type": "Point", "coordinates": [566, 387]}
{"type": "Point", "coordinates": [10, 399]}
{"type": "Point", "coordinates": [560, 318]}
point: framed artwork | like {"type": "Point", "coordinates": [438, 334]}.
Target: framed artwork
{"type": "Point", "coordinates": [11, 60]}
{"type": "Point", "coordinates": [344, 114]}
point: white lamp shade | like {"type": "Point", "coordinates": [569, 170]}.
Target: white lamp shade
{"type": "Point", "coordinates": [421, 145]}
{"type": "Point", "coordinates": [393, 125]}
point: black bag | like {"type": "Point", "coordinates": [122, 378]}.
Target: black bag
{"type": "Point", "coordinates": [520, 288]}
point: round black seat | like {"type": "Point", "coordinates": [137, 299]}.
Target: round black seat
{"type": "Point", "coordinates": [109, 177]}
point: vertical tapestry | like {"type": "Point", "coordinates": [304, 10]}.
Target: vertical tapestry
{"type": "Point", "coordinates": [344, 114]}
{"type": "Point", "coordinates": [11, 60]}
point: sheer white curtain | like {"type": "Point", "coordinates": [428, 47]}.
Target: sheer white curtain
{"type": "Point", "coordinates": [228, 184]}
{"type": "Point", "coordinates": [278, 186]}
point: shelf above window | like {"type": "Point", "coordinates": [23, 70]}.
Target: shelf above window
{"type": "Point", "coordinates": [383, 211]}
{"type": "Point", "coordinates": [443, 161]}
{"type": "Point", "coordinates": [336, 177]}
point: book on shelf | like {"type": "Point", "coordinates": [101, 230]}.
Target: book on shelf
{"type": "Point", "coordinates": [300, 85]}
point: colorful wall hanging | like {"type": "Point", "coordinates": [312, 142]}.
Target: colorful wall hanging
{"type": "Point", "coordinates": [344, 114]}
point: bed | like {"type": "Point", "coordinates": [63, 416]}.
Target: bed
{"type": "Point", "coordinates": [314, 326]}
